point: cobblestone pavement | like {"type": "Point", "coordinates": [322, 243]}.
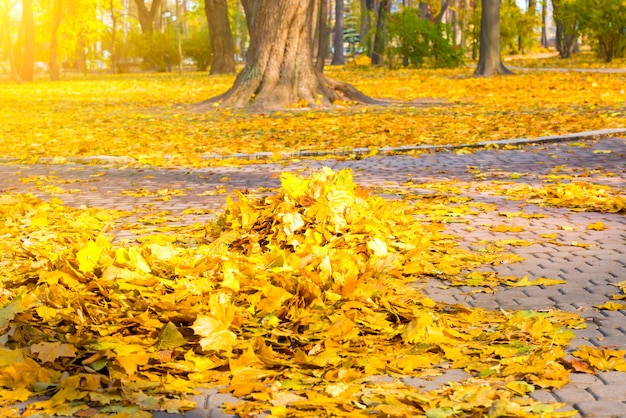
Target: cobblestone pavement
{"type": "Point", "coordinates": [589, 271]}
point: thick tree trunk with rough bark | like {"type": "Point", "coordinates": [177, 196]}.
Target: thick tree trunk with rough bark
{"type": "Point", "coordinates": [222, 43]}
{"type": "Point", "coordinates": [489, 59]}
{"type": "Point", "coordinates": [279, 68]}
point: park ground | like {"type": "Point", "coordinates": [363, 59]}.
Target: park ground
{"type": "Point", "coordinates": [315, 263]}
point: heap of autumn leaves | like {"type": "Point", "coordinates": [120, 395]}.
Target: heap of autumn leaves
{"type": "Point", "coordinates": [297, 303]}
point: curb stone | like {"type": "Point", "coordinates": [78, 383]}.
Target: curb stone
{"type": "Point", "coordinates": [264, 156]}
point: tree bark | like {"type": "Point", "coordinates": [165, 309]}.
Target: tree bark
{"type": "Point", "coordinates": [544, 24]}
{"type": "Point", "coordinates": [444, 8]}
{"type": "Point", "coordinates": [222, 43]}
{"type": "Point", "coordinates": [380, 39]}
{"type": "Point", "coordinates": [147, 16]}
{"type": "Point", "coordinates": [489, 59]}
{"type": "Point", "coordinates": [27, 65]}
{"type": "Point", "coordinates": [53, 61]}
{"type": "Point", "coordinates": [322, 40]}
{"type": "Point", "coordinates": [338, 58]}
{"type": "Point", "coordinates": [368, 7]}
{"type": "Point", "coordinates": [279, 69]}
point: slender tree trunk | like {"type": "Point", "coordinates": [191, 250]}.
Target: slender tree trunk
{"type": "Point", "coordinates": [322, 40]}
{"type": "Point", "coordinates": [380, 39]}
{"type": "Point", "coordinates": [425, 11]}
{"type": "Point", "coordinates": [53, 62]}
{"type": "Point", "coordinates": [147, 16]}
{"type": "Point", "coordinates": [338, 58]}
{"type": "Point", "coordinates": [27, 65]}
{"type": "Point", "coordinates": [544, 22]}
{"type": "Point", "coordinates": [279, 69]}
{"type": "Point", "coordinates": [368, 8]}
{"type": "Point", "coordinates": [444, 8]}
{"type": "Point", "coordinates": [490, 61]}
{"type": "Point", "coordinates": [222, 42]}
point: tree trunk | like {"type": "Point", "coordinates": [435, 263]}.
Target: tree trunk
{"type": "Point", "coordinates": [27, 65]}
{"type": "Point", "coordinates": [322, 40]}
{"type": "Point", "coordinates": [147, 16]}
{"type": "Point", "coordinates": [279, 69]}
{"type": "Point", "coordinates": [53, 61]}
{"type": "Point", "coordinates": [368, 7]}
{"type": "Point", "coordinates": [338, 58]}
{"type": "Point", "coordinates": [380, 39]}
{"type": "Point", "coordinates": [489, 59]}
{"type": "Point", "coordinates": [222, 43]}
{"type": "Point", "coordinates": [544, 24]}
{"type": "Point", "coordinates": [444, 8]}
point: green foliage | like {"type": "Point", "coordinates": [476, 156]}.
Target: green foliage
{"type": "Point", "coordinates": [158, 50]}
{"type": "Point", "coordinates": [422, 43]}
{"type": "Point", "coordinates": [198, 48]}
{"type": "Point", "coordinates": [517, 29]}
{"type": "Point", "coordinates": [604, 23]}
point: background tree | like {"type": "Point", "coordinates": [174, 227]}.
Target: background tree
{"type": "Point", "coordinates": [57, 18]}
{"type": "Point", "coordinates": [27, 57]}
{"type": "Point", "coordinates": [565, 19]}
{"type": "Point", "coordinates": [338, 56]}
{"type": "Point", "coordinates": [222, 44]}
{"type": "Point", "coordinates": [322, 39]}
{"type": "Point", "coordinates": [279, 68]}
{"type": "Point", "coordinates": [544, 24]}
{"type": "Point", "coordinates": [368, 14]}
{"type": "Point", "coordinates": [380, 38]}
{"type": "Point", "coordinates": [8, 47]}
{"type": "Point", "coordinates": [490, 61]}
{"type": "Point", "coordinates": [604, 24]}
{"type": "Point", "coordinates": [148, 16]}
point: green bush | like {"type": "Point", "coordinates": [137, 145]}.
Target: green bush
{"type": "Point", "coordinates": [422, 43]}
{"type": "Point", "coordinates": [604, 24]}
{"type": "Point", "coordinates": [517, 29]}
{"type": "Point", "coordinates": [158, 50]}
{"type": "Point", "coordinates": [198, 48]}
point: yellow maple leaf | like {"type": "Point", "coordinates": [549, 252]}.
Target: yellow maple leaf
{"type": "Point", "coordinates": [596, 226]}
{"type": "Point", "coordinates": [49, 352]}
{"type": "Point", "coordinates": [88, 257]}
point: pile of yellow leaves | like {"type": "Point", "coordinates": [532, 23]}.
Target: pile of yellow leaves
{"type": "Point", "coordinates": [149, 117]}
{"type": "Point", "coordinates": [294, 302]}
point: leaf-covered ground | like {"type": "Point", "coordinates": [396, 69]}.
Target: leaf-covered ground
{"type": "Point", "coordinates": [149, 118]}
{"type": "Point", "coordinates": [295, 301]}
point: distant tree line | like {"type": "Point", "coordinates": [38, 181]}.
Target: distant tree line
{"type": "Point", "coordinates": [168, 35]}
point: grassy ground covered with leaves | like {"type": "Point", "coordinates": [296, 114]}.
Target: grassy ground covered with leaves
{"type": "Point", "coordinates": [149, 118]}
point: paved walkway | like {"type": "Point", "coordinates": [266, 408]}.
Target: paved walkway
{"type": "Point", "coordinates": [589, 271]}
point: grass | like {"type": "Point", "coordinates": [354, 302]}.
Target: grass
{"type": "Point", "coordinates": [149, 117]}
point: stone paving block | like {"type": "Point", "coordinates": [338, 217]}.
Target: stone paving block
{"type": "Point", "coordinates": [543, 396]}
{"type": "Point", "coordinates": [453, 375]}
{"type": "Point", "coordinates": [609, 393]}
{"type": "Point", "coordinates": [601, 409]}
{"type": "Point", "coordinates": [583, 380]}
{"type": "Point", "coordinates": [572, 395]}
{"type": "Point", "coordinates": [611, 378]}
